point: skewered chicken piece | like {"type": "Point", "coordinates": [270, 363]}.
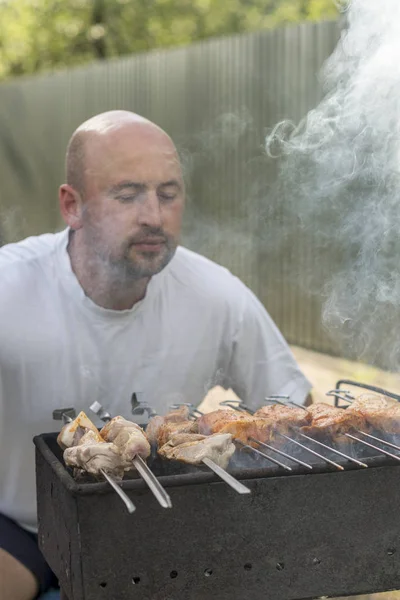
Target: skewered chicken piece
{"type": "Point", "coordinates": [179, 440]}
{"type": "Point", "coordinates": [182, 438]}
{"type": "Point", "coordinates": [92, 454]}
{"type": "Point", "coordinates": [328, 420]}
{"type": "Point", "coordinates": [129, 437]}
{"type": "Point", "coordinates": [290, 415]}
{"type": "Point", "coordinates": [380, 413]}
{"type": "Point", "coordinates": [219, 448]}
{"type": "Point", "coordinates": [214, 421]}
{"type": "Point", "coordinates": [168, 429]}
{"type": "Point", "coordinates": [179, 414]}
{"type": "Point", "coordinates": [261, 429]}
{"type": "Point", "coordinates": [72, 432]}
{"type": "Point", "coordinates": [268, 422]}
{"type": "Point", "coordinates": [155, 423]}
{"type": "Point", "coordinates": [262, 425]}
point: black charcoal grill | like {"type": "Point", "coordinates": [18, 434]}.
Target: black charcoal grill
{"type": "Point", "coordinates": [297, 536]}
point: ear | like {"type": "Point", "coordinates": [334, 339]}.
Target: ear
{"type": "Point", "coordinates": [71, 206]}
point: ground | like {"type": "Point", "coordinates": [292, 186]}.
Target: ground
{"type": "Point", "coordinates": [324, 371]}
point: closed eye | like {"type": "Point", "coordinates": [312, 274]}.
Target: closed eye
{"type": "Point", "coordinates": [127, 197]}
{"type": "Point", "coordinates": [166, 197]}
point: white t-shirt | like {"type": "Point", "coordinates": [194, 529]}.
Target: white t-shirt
{"type": "Point", "coordinates": [198, 326]}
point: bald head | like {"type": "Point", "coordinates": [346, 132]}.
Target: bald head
{"type": "Point", "coordinates": [98, 132]}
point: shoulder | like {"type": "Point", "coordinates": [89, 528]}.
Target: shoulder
{"type": "Point", "coordinates": [205, 278]}
{"type": "Point", "coordinates": [30, 249]}
{"type": "Point", "coordinates": [21, 263]}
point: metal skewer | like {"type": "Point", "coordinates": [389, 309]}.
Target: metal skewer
{"type": "Point", "coordinates": [358, 462]}
{"type": "Point", "coordinates": [234, 483]}
{"type": "Point", "coordinates": [296, 460]}
{"type": "Point", "coordinates": [276, 398]}
{"type": "Point", "coordinates": [353, 437]}
{"type": "Point", "coordinates": [287, 402]}
{"type": "Point", "coordinates": [328, 460]}
{"type": "Point", "coordinates": [152, 481]}
{"type": "Point", "coordinates": [193, 410]}
{"type": "Point", "coordinates": [378, 439]}
{"type": "Point", "coordinates": [142, 468]}
{"type": "Point", "coordinates": [114, 484]}
{"type": "Point", "coordinates": [277, 462]}
{"type": "Point", "coordinates": [236, 405]}
{"type": "Point", "coordinates": [98, 410]}
{"type": "Point", "coordinates": [342, 394]}
{"type": "Point", "coordinates": [128, 502]}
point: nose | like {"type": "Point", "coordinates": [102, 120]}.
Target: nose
{"type": "Point", "coordinates": [150, 211]}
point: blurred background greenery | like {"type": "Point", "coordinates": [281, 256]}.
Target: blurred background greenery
{"type": "Point", "coordinates": [42, 35]}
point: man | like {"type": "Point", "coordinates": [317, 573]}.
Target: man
{"type": "Point", "coordinates": [112, 307]}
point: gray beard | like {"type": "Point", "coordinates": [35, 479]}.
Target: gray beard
{"type": "Point", "coordinates": [124, 269]}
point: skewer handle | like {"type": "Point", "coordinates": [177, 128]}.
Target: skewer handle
{"type": "Point", "coordinates": [231, 481]}
{"type": "Point", "coordinates": [152, 481]}
{"type": "Point", "coordinates": [127, 501]}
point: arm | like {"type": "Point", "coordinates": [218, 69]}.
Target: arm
{"type": "Point", "coordinates": [262, 363]}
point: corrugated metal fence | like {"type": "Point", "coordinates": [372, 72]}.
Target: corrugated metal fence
{"type": "Point", "coordinates": [216, 99]}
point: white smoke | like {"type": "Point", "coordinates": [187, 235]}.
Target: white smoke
{"type": "Point", "coordinates": [340, 180]}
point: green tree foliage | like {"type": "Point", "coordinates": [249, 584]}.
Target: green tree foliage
{"type": "Point", "coordinates": [38, 35]}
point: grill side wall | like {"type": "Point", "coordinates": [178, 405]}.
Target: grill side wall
{"type": "Point", "coordinates": [59, 536]}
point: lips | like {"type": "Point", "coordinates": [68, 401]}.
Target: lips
{"type": "Point", "coordinates": [150, 245]}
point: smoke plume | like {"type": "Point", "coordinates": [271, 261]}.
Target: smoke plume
{"type": "Point", "coordinates": [339, 184]}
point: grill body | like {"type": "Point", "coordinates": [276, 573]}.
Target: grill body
{"type": "Point", "coordinates": [295, 537]}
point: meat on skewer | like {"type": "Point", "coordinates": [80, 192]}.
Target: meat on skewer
{"type": "Point", "coordinates": [214, 421]}
{"type": "Point", "coordinates": [328, 420]}
{"type": "Point", "coordinates": [154, 425]}
{"type": "Point", "coordinates": [319, 420]}
{"type": "Point", "coordinates": [380, 412]}
{"type": "Point", "coordinates": [178, 439]}
{"type": "Point", "coordinates": [263, 425]}
{"type": "Point", "coordinates": [111, 450]}
{"type": "Point", "coordinates": [129, 437]}
{"type": "Point", "coordinates": [289, 415]}
{"type": "Point", "coordinates": [72, 432]}
{"type": "Point", "coordinates": [218, 447]}
{"type": "Point", "coordinates": [169, 429]}
{"type": "Point", "coordinates": [261, 429]}
{"type": "Point", "coordinates": [93, 455]}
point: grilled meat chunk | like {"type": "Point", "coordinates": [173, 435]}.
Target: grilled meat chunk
{"type": "Point", "coordinates": [72, 432]}
{"type": "Point", "coordinates": [380, 412]}
{"type": "Point", "coordinates": [261, 429]}
{"type": "Point", "coordinates": [155, 423]}
{"type": "Point", "coordinates": [168, 429]}
{"type": "Point", "coordinates": [93, 455]}
{"type": "Point", "coordinates": [217, 447]}
{"type": "Point", "coordinates": [289, 415]}
{"type": "Point", "coordinates": [214, 421]}
{"type": "Point", "coordinates": [328, 420]}
{"type": "Point", "coordinates": [182, 438]}
{"type": "Point", "coordinates": [263, 425]}
{"type": "Point", "coordinates": [153, 427]}
{"type": "Point", "coordinates": [128, 436]}
{"type": "Point", "coordinates": [179, 414]}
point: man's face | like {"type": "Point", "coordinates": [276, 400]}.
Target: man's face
{"type": "Point", "coordinates": [134, 199]}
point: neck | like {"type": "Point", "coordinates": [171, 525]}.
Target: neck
{"type": "Point", "coordinates": [105, 287]}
